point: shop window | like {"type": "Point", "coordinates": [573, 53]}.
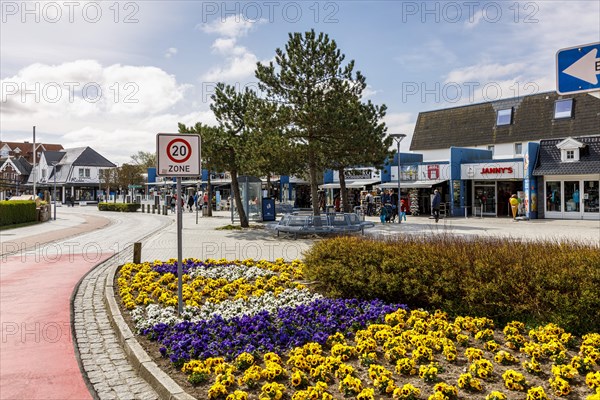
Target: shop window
{"type": "Point", "coordinates": [518, 148]}
{"type": "Point", "coordinates": [504, 117]}
{"type": "Point", "coordinates": [563, 108]}
{"type": "Point", "coordinates": [591, 196]}
{"type": "Point", "coordinates": [572, 196]}
{"type": "Point", "coordinates": [553, 202]}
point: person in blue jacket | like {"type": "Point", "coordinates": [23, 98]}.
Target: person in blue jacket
{"type": "Point", "coordinates": [435, 205]}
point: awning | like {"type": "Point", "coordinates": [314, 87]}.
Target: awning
{"type": "Point", "coordinates": [409, 184]}
{"type": "Point", "coordinates": [350, 184]}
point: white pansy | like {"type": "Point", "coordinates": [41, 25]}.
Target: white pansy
{"type": "Point", "coordinates": [229, 272]}
{"type": "Point", "coordinates": [146, 317]}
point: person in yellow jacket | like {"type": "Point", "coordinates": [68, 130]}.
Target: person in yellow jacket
{"type": "Point", "coordinates": [514, 205]}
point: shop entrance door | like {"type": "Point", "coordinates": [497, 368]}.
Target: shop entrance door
{"type": "Point", "coordinates": [505, 190]}
{"type": "Point", "coordinates": [484, 194]}
{"type": "Point", "coordinates": [591, 198]}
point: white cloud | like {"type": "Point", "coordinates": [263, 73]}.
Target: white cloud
{"type": "Point", "coordinates": [401, 123]}
{"type": "Point", "coordinates": [84, 87]}
{"type": "Point", "coordinates": [133, 104]}
{"type": "Point", "coordinates": [171, 51]}
{"type": "Point", "coordinates": [239, 62]}
{"type": "Point", "coordinates": [369, 92]}
{"type": "Point", "coordinates": [237, 67]}
{"type": "Point", "coordinates": [233, 26]}
{"type": "Point", "coordinates": [484, 72]}
{"type": "Point", "coordinates": [474, 19]}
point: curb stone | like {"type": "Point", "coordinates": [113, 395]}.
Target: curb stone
{"type": "Point", "coordinates": [162, 383]}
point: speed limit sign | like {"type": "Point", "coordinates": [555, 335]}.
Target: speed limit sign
{"type": "Point", "coordinates": [178, 155]}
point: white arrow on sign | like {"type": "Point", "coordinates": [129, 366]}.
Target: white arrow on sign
{"type": "Point", "coordinates": [586, 68]}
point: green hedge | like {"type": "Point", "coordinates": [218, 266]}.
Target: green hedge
{"type": "Point", "coordinates": [122, 207]}
{"type": "Point", "coordinates": [17, 212]}
{"type": "Point", "coordinates": [503, 279]}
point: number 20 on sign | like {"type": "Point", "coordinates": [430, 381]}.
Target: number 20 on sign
{"type": "Point", "coordinates": [178, 155]}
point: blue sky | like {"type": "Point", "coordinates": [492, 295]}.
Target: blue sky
{"type": "Point", "coordinates": [113, 74]}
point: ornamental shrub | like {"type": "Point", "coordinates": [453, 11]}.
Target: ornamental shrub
{"type": "Point", "coordinates": [504, 279]}
{"type": "Point", "coordinates": [17, 212]}
{"type": "Point", "coordinates": [122, 207]}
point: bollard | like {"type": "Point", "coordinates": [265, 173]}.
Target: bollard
{"type": "Point", "coordinates": [153, 209]}
{"type": "Point", "coordinates": [143, 208]}
{"type": "Point", "coordinates": [137, 253]}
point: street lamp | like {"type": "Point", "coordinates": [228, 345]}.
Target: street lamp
{"type": "Point", "coordinates": [398, 138]}
{"type": "Point", "coordinates": [54, 173]}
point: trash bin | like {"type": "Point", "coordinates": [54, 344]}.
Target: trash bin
{"type": "Point", "coordinates": [268, 209]}
{"type": "Point", "coordinates": [204, 210]}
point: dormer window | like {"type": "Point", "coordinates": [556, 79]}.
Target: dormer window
{"type": "Point", "coordinates": [570, 150]}
{"type": "Point", "coordinates": [504, 117]}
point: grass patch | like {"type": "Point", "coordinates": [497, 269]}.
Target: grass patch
{"type": "Point", "coordinates": [14, 226]}
{"type": "Point", "coordinates": [231, 227]}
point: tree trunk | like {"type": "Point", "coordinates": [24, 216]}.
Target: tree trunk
{"type": "Point", "coordinates": [314, 187]}
{"type": "Point", "coordinates": [343, 192]}
{"type": "Point", "coordinates": [238, 200]}
{"type": "Point", "coordinates": [269, 185]}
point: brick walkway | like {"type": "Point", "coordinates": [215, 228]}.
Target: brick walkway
{"type": "Point", "coordinates": [101, 354]}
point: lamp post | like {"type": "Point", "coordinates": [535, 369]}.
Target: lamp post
{"type": "Point", "coordinates": [398, 138]}
{"type": "Point", "coordinates": [54, 196]}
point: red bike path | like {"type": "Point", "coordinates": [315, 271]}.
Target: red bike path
{"type": "Point", "coordinates": [37, 357]}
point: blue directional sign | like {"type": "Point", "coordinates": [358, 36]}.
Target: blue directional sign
{"type": "Point", "coordinates": [577, 69]}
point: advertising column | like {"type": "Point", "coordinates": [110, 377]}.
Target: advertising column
{"type": "Point", "coordinates": [530, 183]}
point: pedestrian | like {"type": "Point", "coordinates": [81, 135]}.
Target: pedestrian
{"type": "Point", "coordinates": [191, 203]}
{"type": "Point", "coordinates": [173, 203]}
{"type": "Point", "coordinates": [383, 214]}
{"type": "Point", "coordinates": [370, 203]}
{"type": "Point", "coordinates": [514, 205]}
{"type": "Point", "coordinates": [402, 210]}
{"type": "Point", "coordinates": [436, 200]}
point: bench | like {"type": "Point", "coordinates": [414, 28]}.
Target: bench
{"type": "Point", "coordinates": [333, 223]}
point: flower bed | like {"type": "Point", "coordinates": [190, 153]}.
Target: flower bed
{"type": "Point", "coordinates": [251, 330]}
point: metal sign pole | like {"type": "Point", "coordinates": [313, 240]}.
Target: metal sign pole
{"type": "Point", "coordinates": [179, 248]}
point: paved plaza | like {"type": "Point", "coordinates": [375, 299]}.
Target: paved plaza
{"type": "Point", "coordinates": [58, 320]}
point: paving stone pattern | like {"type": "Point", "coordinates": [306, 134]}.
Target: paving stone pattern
{"type": "Point", "coordinates": [103, 359]}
